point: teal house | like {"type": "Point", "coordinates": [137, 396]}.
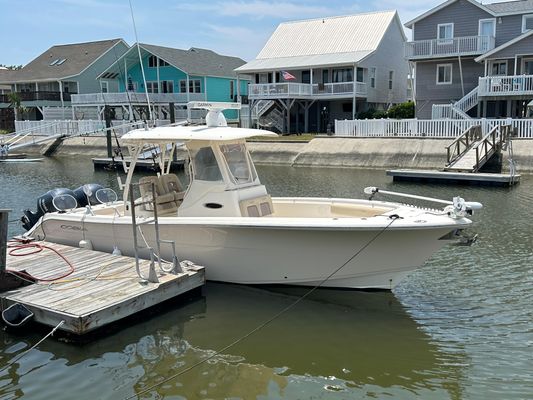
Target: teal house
{"type": "Point", "coordinates": [173, 77]}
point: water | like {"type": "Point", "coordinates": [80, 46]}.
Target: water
{"type": "Point", "coordinates": [461, 327]}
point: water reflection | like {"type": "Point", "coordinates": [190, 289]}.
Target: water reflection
{"type": "Point", "coordinates": [335, 343]}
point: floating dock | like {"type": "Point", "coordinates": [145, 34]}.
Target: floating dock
{"type": "Point", "coordinates": [102, 289]}
{"type": "Point", "coordinates": [140, 165]}
{"type": "Point", "coordinates": [464, 178]}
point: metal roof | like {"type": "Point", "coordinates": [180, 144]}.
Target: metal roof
{"type": "Point", "coordinates": [62, 61]}
{"type": "Point", "coordinates": [323, 41]}
{"type": "Point", "coordinates": [511, 6]}
{"type": "Point", "coordinates": [195, 61]}
{"type": "Point", "coordinates": [171, 134]}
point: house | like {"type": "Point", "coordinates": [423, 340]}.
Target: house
{"type": "Point", "coordinates": [311, 72]}
{"type": "Point", "coordinates": [171, 76]}
{"type": "Point", "coordinates": [46, 84]}
{"type": "Point", "coordinates": [472, 59]}
{"type": "Point", "coordinates": [7, 115]}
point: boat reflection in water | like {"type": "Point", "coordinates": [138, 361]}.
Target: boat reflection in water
{"type": "Point", "coordinates": [336, 343]}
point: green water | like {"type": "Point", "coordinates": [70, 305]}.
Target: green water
{"type": "Point", "coordinates": [461, 327]}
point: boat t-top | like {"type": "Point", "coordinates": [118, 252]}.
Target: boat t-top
{"type": "Point", "coordinates": [226, 219]}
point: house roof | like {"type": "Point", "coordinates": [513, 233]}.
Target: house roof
{"type": "Point", "coordinates": [194, 61]}
{"type": "Point", "coordinates": [77, 57]}
{"type": "Point", "coordinates": [495, 9]}
{"type": "Point", "coordinates": [518, 6]}
{"type": "Point", "coordinates": [323, 41]}
{"type": "Point", "coordinates": [504, 45]}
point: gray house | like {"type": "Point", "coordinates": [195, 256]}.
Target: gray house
{"type": "Point", "coordinates": [45, 85]}
{"type": "Point", "coordinates": [472, 59]}
{"type": "Point", "coordinates": [312, 72]}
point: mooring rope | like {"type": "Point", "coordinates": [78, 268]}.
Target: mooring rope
{"type": "Point", "coordinates": [270, 320]}
{"type": "Point", "coordinates": [18, 357]}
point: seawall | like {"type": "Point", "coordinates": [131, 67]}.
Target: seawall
{"type": "Point", "coordinates": [376, 153]}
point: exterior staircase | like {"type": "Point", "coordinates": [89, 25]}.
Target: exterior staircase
{"type": "Point", "coordinates": [269, 115]}
{"type": "Point", "coordinates": [471, 151]}
{"type": "Point", "coordinates": [457, 110]}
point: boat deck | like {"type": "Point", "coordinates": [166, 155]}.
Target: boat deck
{"type": "Point", "coordinates": [465, 178]}
{"type": "Point", "coordinates": [102, 289]}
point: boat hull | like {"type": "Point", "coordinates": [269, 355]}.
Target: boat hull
{"type": "Point", "coordinates": [377, 258]}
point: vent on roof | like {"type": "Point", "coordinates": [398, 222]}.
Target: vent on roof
{"type": "Point", "coordinates": [61, 61]}
{"type": "Point", "coordinates": [54, 62]}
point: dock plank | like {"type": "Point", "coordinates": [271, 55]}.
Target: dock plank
{"type": "Point", "coordinates": [102, 289]}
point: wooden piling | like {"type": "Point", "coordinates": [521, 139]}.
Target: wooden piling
{"type": "Point", "coordinates": [7, 281]}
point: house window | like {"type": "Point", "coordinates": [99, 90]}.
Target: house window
{"type": "Point", "coordinates": [104, 86]}
{"type": "Point", "coordinates": [167, 86]}
{"type": "Point", "coordinates": [194, 86]}
{"type": "Point", "coordinates": [499, 68]}
{"type": "Point", "coordinates": [444, 74]}
{"type": "Point", "coordinates": [445, 31]}
{"type": "Point", "coordinates": [231, 90]}
{"type": "Point", "coordinates": [343, 75]}
{"type": "Point", "coordinates": [325, 76]}
{"type": "Point", "coordinates": [152, 62]}
{"type": "Point", "coordinates": [131, 86]}
{"type": "Point", "coordinates": [306, 76]}
{"type": "Point", "coordinates": [151, 87]}
{"type": "Point", "coordinates": [373, 77]}
{"type": "Point", "coordinates": [360, 75]}
{"type": "Point", "coordinates": [527, 22]}
{"type": "Point", "coordinates": [391, 79]}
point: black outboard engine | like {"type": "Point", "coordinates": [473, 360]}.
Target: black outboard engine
{"type": "Point", "coordinates": [45, 202]}
{"type": "Point", "coordinates": [86, 194]}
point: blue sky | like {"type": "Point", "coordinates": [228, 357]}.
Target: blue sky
{"type": "Point", "coordinates": [232, 27]}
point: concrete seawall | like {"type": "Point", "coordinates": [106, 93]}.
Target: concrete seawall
{"type": "Point", "coordinates": [376, 153]}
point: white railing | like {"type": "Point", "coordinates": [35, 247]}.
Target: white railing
{"type": "Point", "coordinates": [515, 85]}
{"type": "Point", "coordinates": [440, 111]}
{"type": "Point", "coordinates": [468, 101]}
{"type": "Point", "coordinates": [431, 128]}
{"type": "Point", "coordinates": [133, 97]}
{"type": "Point", "coordinates": [466, 45]}
{"type": "Point", "coordinates": [305, 90]}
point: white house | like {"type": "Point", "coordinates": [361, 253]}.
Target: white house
{"type": "Point", "coordinates": [311, 72]}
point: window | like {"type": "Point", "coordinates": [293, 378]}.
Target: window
{"type": "Point", "coordinates": [391, 79]}
{"type": "Point", "coordinates": [487, 29]}
{"type": "Point", "coordinates": [499, 68]}
{"type": "Point", "coordinates": [238, 163]}
{"type": "Point", "coordinates": [194, 86]}
{"type": "Point", "coordinates": [206, 166]}
{"type": "Point", "coordinates": [152, 62]}
{"type": "Point", "coordinates": [360, 75]}
{"type": "Point", "coordinates": [445, 31]}
{"type": "Point", "coordinates": [306, 76]}
{"type": "Point", "coordinates": [527, 22]}
{"type": "Point", "coordinates": [167, 86]}
{"type": "Point", "coordinates": [343, 75]}
{"type": "Point", "coordinates": [444, 74]}
{"type": "Point", "coordinates": [104, 86]}
{"type": "Point", "coordinates": [373, 77]}
{"type": "Point", "coordinates": [151, 87]}
{"type": "Point", "coordinates": [325, 76]}
{"type": "Point", "coordinates": [231, 89]}
{"type": "Point", "coordinates": [131, 86]}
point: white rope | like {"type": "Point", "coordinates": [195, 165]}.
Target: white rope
{"type": "Point", "coordinates": [18, 357]}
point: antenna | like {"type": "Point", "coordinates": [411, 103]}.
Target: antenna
{"type": "Point", "coordinates": [141, 61]}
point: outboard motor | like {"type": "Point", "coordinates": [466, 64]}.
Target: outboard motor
{"type": "Point", "coordinates": [86, 194]}
{"type": "Point", "coordinates": [44, 205]}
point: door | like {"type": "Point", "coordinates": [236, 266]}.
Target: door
{"type": "Point", "coordinates": [528, 66]}
{"type": "Point", "coordinates": [487, 30]}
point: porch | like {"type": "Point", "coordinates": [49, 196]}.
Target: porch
{"type": "Point", "coordinates": [127, 98]}
{"type": "Point", "coordinates": [512, 85]}
{"type": "Point", "coordinates": [309, 91]}
{"type": "Point", "coordinates": [452, 47]}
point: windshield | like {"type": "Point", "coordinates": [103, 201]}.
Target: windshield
{"type": "Point", "coordinates": [239, 163]}
{"type": "Point", "coordinates": [206, 166]}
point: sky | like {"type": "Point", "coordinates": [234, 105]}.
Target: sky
{"type": "Point", "coordinates": [231, 27]}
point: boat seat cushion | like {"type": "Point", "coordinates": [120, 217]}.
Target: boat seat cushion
{"type": "Point", "coordinates": [170, 184]}
{"type": "Point", "coordinates": [165, 201]}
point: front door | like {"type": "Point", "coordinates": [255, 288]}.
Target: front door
{"type": "Point", "coordinates": [486, 30]}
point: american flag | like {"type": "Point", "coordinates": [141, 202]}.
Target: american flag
{"type": "Point", "coordinates": [287, 76]}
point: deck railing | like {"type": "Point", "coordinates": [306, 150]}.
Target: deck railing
{"type": "Point", "coordinates": [38, 96]}
{"type": "Point", "coordinates": [305, 90]}
{"type": "Point", "coordinates": [133, 97]}
{"type": "Point", "coordinates": [430, 128]}
{"type": "Point", "coordinates": [466, 45]}
{"type": "Point", "coordinates": [515, 85]}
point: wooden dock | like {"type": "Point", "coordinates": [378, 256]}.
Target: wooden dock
{"type": "Point", "coordinates": [465, 178]}
{"type": "Point", "coordinates": [102, 289]}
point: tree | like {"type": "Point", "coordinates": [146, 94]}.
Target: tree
{"type": "Point", "coordinates": [16, 104]}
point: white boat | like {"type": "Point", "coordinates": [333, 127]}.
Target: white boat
{"type": "Point", "coordinates": [226, 220]}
